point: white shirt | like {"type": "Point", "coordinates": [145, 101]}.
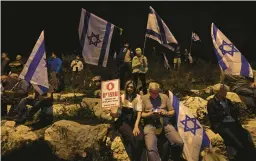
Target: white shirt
{"type": "Point", "coordinates": [79, 65]}
{"type": "Point", "coordinates": [136, 104]}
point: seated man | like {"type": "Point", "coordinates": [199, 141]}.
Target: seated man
{"type": "Point", "coordinates": [43, 102]}
{"type": "Point", "coordinates": [245, 87]}
{"type": "Point", "coordinates": [14, 95]}
{"type": "Point", "coordinates": [157, 110]}
{"type": "Point", "coordinates": [224, 120]}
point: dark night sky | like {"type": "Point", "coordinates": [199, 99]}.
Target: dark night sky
{"type": "Point", "coordinates": [22, 23]}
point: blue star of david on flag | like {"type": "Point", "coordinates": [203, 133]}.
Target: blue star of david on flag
{"type": "Point", "coordinates": [94, 41]}
{"type": "Point", "coordinates": [227, 48]}
{"type": "Point", "coordinates": [188, 120]}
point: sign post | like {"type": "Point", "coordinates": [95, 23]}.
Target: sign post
{"type": "Point", "coordinates": [110, 94]}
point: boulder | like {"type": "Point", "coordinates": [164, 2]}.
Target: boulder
{"type": "Point", "coordinates": [66, 96]}
{"type": "Point", "coordinates": [196, 105]}
{"type": "Point", "coordinates": [216, 142]}
{"type": "Point", "coordinates": [94, 104]}
{"type": "Point", "coordinates": [251, 127]}
{"type": "Point", "coordinates": [14, 138]}
{"type": "Point", "coordinates": [117, 147]}
{"type": "Point", "coordinates": [70, 111]}
{"type": "Point", "coordinates": [69, 139]}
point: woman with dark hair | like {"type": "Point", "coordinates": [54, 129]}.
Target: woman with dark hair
{"type": "Point", "coordinates": [128, 121]}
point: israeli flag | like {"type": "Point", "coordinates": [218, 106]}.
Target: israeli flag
{"type": "Point", "coordinates": [158, 30]}
{"type": "Point", "coordinates": [166, 64]}
{"type": "Point", "coordinates": [35, 70]}
{"type": "Point", "coordinates": [191, 131]}
{"type": "Point", "coordinates": [229, 57]}
{"type": "Point", "coordinates": [95, 36]}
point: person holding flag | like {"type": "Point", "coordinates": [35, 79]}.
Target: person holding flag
{"type": "Point", "coordinates": [236, 71]}
{"type": "Point", "coordinates": [35, 72]}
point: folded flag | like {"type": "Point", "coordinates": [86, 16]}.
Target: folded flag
{"type": "Point", "coordinates": [95, 36]}
{"type": "Point", "coordinates": [35, 70]}
{"type": "Point", "coordinates": [158, 30]}
{"type": "Point", "coordinates": [195, 37]}
{"type": "Point", "coordinates": [191, 131]}
{"type": "Point", "coordinates": [229, 57]}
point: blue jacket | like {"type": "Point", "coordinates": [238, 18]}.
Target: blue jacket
{"type": "Point", "coordinates": [55, 64]}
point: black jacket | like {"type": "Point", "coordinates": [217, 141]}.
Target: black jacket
{"type": "Point", "coordinates": [216, 113]}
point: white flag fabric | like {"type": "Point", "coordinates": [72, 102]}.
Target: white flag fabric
{"type": "Point", "coordinates": [229, 57]}
{"type": "Point", "coordinates": [95, 36]}
{"type": "Point", "coordinates": [166, 64]}
{"type": "Point", "coordinates": [35, 70]}
{"type": "Point", "coordinates": [158, 30]}
{"type": "Point", "coordinates": [191, 131]}
{"type": "Point", "coordinates": [195, 37]}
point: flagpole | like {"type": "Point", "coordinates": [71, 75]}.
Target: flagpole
{"type": "Point", "coordinates": [190, 43]}
{"type": "Point", "coordinates": [145, 40]}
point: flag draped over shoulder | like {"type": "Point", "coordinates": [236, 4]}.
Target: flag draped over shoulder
{"type": "Point", "coordinates": [158, 30]}
{"type": "Point", "coordinates": [195, 37]}
{"type": "Point", "coordinates": [95, 36]}
{"type": "Point", "coordinates": [35, 70]}
{"type": "Point", "coordinates": [229, 57]}
{"type": "Point", "coordinates": [191, 131]}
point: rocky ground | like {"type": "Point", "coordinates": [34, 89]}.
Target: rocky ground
{"type": "Point", "coordinates": [82, 131]}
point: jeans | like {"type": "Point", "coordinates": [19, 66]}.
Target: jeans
{"type": "Point", "coordinates": [125, 68]}
{"type": "Point", "coordinates": [248, 95]}
{"type": "Point", "coordinates": [235, 136]}
{"type": "Point", "coordinates": [36, 106]}
{"type": "Point", "coordinates": [151, 140]}
{"type": "Point", "coordinates": [54, 80]}
{"type": "Point", "coordinates": [142, 77]}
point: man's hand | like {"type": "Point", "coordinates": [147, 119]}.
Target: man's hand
{"type": "Point", "coordinates": [163, 112]}
{"type": "Point", "coordinates": [253, 85]}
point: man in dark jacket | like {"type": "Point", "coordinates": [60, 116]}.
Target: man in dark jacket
{"type": "Point", "coordinates": [4, 64]}
{"type": "Point", "coordinates": [14, 95]}
{"type": "Point", "coordinates": [224, 120]}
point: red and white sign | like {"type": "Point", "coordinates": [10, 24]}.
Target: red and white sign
{"type": "Point", "coordinates": [110, 93]}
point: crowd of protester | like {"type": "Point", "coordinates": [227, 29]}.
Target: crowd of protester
{"type": "Point", "coordinates": [150, 103]}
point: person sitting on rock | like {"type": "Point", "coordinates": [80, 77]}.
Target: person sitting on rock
{"type": "Point", "coordinates": [17, 66]}
{"type": "Point", "coordinates": [223, 117]}
{"type": "Point", "coordinates": [157, 112]}
{"type": "Point", "coordinates": [128, 122]}
{"type": "Point", "coordinates": [245, 87]}
{"type": "Point", "coordinates": [14, 95]}
{"type": "Point", "coordinates": [43, 102]}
